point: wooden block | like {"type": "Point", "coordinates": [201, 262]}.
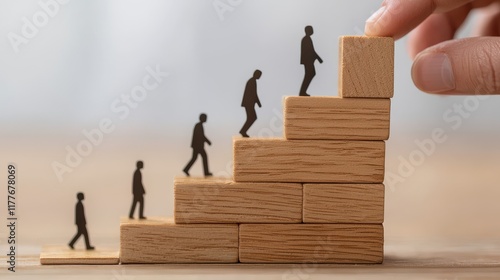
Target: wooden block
{"type": "Point", "coordinates": [333, 118]}
{"type": "Point", "coordinates": [221, 201]}
{"type": "Point", "coordinates": [63, 255]}
{"type": "Point", "coordinates": [305, 161]}
{"type": "Point", "coordinates": [366, 67]}
{"type": "Point", "coordinates": [160, 241]}
{"type": "Point", "coordinates": [344, 203]}
{"type": "Point", "coordinates": [312, 243]}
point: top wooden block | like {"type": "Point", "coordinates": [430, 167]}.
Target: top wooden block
{"type": "Point", "coordinates": [366, 67]}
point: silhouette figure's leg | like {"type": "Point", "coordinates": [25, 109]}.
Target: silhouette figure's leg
{"type": "Point", "coordinates": [205, 163]}
{"type": "Point", "coordinates": [309, 73]}
{"type": "Point", "coordinates": [190, 164]}
{"type": "Point", "coordinates": [73, 241]}
{"type": "Point", "coordinates": [252, 115]}
{"type": "Point", "coordinates": [86, 235]}
{"type": "Point", "coordinates": [141, 207]}
{"type": "Point", "coordinates": [132, 210]}
{"type": "Point", "coordinates": [305, 82]}
{"type": "Point", "coordinates": [251, 118]}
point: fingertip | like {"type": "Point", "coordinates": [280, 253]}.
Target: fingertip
{"type": "Point", "coordinates": [372, 24]}
{"type": "Point", "coordinates": [396, 18]}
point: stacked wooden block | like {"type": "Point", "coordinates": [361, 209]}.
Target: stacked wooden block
{"type": "Point", "coordinates": [316, 196]}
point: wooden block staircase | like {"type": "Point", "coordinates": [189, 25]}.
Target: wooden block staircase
{"type": "Point", "coordinates": [316, 196]}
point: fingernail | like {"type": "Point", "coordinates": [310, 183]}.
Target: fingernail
{"type": "Point", "coordinates": [433, 72]}
{"type": "Point", "coordinates": [371, 22]}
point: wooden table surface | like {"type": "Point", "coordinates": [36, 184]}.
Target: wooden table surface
{"type": "Point", "coordinates": [403, 259]}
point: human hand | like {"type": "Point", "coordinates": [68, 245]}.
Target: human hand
{"type": "Point", "coordinates": [443, 64]}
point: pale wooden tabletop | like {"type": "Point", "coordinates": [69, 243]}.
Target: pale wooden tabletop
{"type": "Point", "coordinates": [403, 259]}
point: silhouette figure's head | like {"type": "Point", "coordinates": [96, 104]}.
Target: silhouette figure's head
{"type": "Point", "coordinates": [80, 196]}
{"type": "Point", "coordinates": [257, 74]}
{"type": "Point", "coordinates": [140, 165]}
{"type": "Point", "coordinates": [309, 30]}
{"type": "Point", "coordinates": [203, 118]}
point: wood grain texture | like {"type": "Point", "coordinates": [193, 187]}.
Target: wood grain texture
{"type": "Point", "coordinates": [366, 67]}
{"type": "Point", "coordinates": [63, 255]}
{"type": "Point", "coordinates": [312, 243]}
{"type": "Point", "coordinates": [160, 241]}
{"type": "Point", "coordinates": [333, 118]}
{"type": "Point", "coordinates": [344, 203]}
{"type": "Point", "coordinates": [306, 161]}
{"type": "Point", "coordinates": [222, 201]}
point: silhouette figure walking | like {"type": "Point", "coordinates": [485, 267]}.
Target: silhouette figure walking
{"type": "Point", "coordinates": [250, 98]}
{"type": "Point", "coordinates": [138, 191]}
{"type": "Point", "coordinates": [307, 58]}
{"type": "Point", "coordinates": [81, 223]}
{"type": "Point", "coordinates": [198, 145]}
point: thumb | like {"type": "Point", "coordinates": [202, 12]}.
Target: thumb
{"type": "Point", "coordinates": [465, 66]}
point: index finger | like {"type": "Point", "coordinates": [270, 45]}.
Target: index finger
{"type": "Point", "coordinates": [396, 18]}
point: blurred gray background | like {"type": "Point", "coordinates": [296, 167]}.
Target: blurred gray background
{"type": "Point", "coordinates": [86, 55]}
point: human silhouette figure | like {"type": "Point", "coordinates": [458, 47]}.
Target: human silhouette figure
{"type": "Point", "coordinates": [307, 58]}
{"type": "Point", "coordinates": [138, 191]}
{"type": "Point", "coordinates": [250, 98]}
{"type": "Point", "coordinates": [198, 145]}
{"type": "Point", "coordinates": [81, 223]}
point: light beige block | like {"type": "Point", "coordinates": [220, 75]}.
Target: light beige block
{"type": "Point", "coordinates": [63, 255]}
{"type": "Point", "coordinates": [222, 201]}
{"type": "Point", "coordinates": [312, 243]}
{"type": "Point", "coordinates": [333, 118]}
{"type": "Point", "coordinates": [344, 203]}
{"type": "Point", "coordinates": [160, 241]}
{"type": "Point", "coordinates": [366, 67]}
{"type": "Point", "coordinates": [305, 161]}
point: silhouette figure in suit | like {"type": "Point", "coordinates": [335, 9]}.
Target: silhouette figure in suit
{"type": "Point", "coordinates": [307, 58]}
{"type": "Point", "coordinates": [81, 223]}
{"type": "Point", "coordinates": [138, 191]}
{"type": "Point", "coordinates": [198, 145]}
{"type": "Point", "coordinates": [250, 98]}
